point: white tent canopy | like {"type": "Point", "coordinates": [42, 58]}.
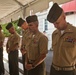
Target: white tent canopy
{"type": "Point", "coordinates": [13, 9]}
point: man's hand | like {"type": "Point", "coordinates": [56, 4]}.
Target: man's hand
{"type": "Point", "coordinates": [23, 52]}
{"type": "Point", "coordinates": [28, 66]}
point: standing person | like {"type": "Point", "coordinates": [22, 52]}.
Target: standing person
{"type": "Point", "coordinates": [25, 37]}
{"type": "Point", "coordinates": [12, 50]}
{"type": "Point", "coordinates": [63, 43]}
{"type": "Point", "coordinates": [36, 48]}
{"type": "Point", "coordinates": [1, 52]}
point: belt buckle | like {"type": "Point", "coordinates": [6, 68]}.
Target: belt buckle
{"type": "Point", "coordinates": [31, 61]}
{"type": "Point", "coordinates": [74, 67]}
{"type": "Point", "coordinates": [65, 69]}
{"type": "Point", "coordinates": [58, 68]}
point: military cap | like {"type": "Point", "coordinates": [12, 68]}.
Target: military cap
{"type": "Point", "coordinates": [31, 18]}
{"type": "Point", "coordinates": [54, 13]}
{"type": "Point", "coordinates": [9, 26]}
{"type": "Point", "coordinates": [20, 22]}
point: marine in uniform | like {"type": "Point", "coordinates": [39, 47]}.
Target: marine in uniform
{"type": "Point", "coordinates": [36, 48]}
{"type": "Point", "coordinates": [2, 71]}
{"type": "Point", "coordinates": [12, 50]}
{"type": "Point", "coordinates": [26, 35]}
{"type": "Point", "coordinates": [63, 43]}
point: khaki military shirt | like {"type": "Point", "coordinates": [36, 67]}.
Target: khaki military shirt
{"type": "Point", "coordinates": [64, 47]}
{"type": "Point", "coordinates": [37, 45]}
{"type": "Point", "coordinates": [1, 38]}
{"type": "Point", "coordinates": [25, 35]}
{"type": "Point", "coordinates": [13, 39]}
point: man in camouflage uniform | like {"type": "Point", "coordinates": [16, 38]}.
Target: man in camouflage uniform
{"type": "Point", "coordinates": [36, 48]}
{"type": "Point", "coordinates": [12, 50]}
{"type": "Point", "coordinates": [1, 52]}
{"type": "Point", "coordinates": [63, 43]}
{"type": "Point", "coordinates": [26, 34]}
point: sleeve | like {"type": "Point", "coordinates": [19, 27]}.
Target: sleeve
{"type": "Point", "coordinates": [7, 43]}
{"type": "Point", "coordinates": [43, 45]}
{"type": "Point", "coordinates": [2, 38]}
{"type": "Point", "coordinates": [16, 40]}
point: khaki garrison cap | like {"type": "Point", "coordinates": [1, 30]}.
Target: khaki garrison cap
{"type": "Point", "coordinates": [54, 13]}
{"type": "Point", "coordinates": [31, 18]}
{"type": "Point", "coordinates": [20, 21]}
{"type": "Point", "coordinates": [9, 26]}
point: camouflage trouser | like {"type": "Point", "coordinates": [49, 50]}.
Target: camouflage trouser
{"type": "Point", "coordinates": [1, 62]}
{"type": "Point", "coordinates": [55, 72]}
{"type": "Point", "coordinates": [13, 62]}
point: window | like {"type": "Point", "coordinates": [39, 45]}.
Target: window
{"type": "Point", "coordinates": [45, 25]}
{"type": "Point", "coordinates": [69, 13]}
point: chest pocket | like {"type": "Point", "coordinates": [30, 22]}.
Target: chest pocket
{"type": "Point", "coordinates": [68, 44]}
{"type": "Point", "coordinates": [35, 43]}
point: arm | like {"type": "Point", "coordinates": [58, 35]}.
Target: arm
{"type": "Point", "coordinates": [23, 51]}
{"type": "Point", "coordinates": [23, 41]}
{"type": "Point", "coordinates": [12, 48]}
{"type": "Point", "coordinates": [43, 43]}
{"type": "Point", "coordinates": [15, 44]}
{"type": "Point", "coordinates": [2, 40]}
{"type": "Point", "coordinates": [1, 43]}
{"type": "Point", "coordinates": [40, 59]}
{"type": "Point", "coordinates": [7, 47]}
{"type": "Point", "coordinates": [43, 49]}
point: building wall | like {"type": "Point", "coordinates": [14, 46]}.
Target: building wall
{"type": "Point", "coordinates": [71, 18]}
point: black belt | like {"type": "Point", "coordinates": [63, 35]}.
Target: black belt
{"type": "Point", "coordinates": [68, 68]}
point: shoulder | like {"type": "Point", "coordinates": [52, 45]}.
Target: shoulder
{"type": "Point", "coordinates": [16, 35]}
{"type": "Point", "coordinates": [43, 37]}
{"type": "Point", "coordinates": [72, 28]}
{"type": "Point", "coordinates": [55, 32]}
